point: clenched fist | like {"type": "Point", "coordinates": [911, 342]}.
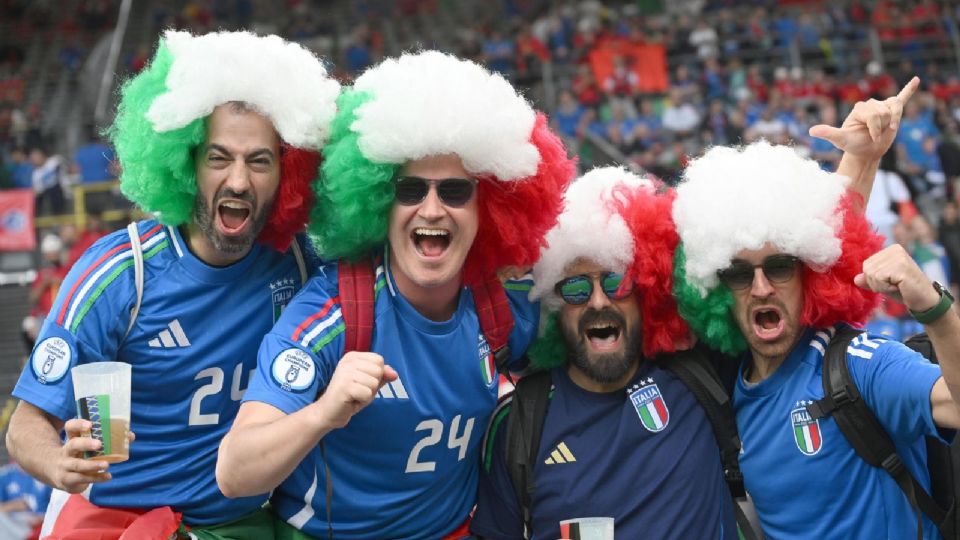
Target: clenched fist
{"type": "Point", "coordinates": [356, 380]}
{"type": "Point", "coordinates": [893, 272]}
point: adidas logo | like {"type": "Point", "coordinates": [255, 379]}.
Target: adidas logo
{"type": "Point", "coordinates": [171, 338]}
{"type": "Point", "coordinates": [560, 454]}
{"type": "Point", "coordinates": [393, 390]}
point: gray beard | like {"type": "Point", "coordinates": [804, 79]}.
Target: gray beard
{"type": "Point", "coordinates": [203, 216]}
{"type": "Point", "coordinates": [605, 368]}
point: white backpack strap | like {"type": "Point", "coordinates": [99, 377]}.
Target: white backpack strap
{"type": "Point", "coordinates": [137, 249]}
{"type": "Point", "coordinates": [301, 264]}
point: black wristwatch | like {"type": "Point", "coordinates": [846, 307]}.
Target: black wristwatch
{"type": "Point", "coordinates": [937, 311]}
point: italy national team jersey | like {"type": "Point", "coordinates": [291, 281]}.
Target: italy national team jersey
{"type": "Point", "coordinates": [804, 477]}
{"type": "Point", "coordinates": [645, 456]}
{"type": "Point", "coordinates": [191, 351]}
{"type": "Point", "coordinates": [406, 465]}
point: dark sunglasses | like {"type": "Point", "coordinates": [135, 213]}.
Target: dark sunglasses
{"type": "Point", "coordinates": [410, 190]}
{"type": "Point", "coordinates": [577, 290]}
{"type": "Point", "coordinates": [777, 268]}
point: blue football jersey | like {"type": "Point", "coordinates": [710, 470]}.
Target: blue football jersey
{"type": "Point", "coordinates": [645, 456]}
{"type": "Point", "coordinates": [192, 352]}
{"type": "Point", "coordinates": [804, 477]}
{"type": "Point", "coordinates": [406, 465]}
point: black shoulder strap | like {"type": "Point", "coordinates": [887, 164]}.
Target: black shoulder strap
{"type": "Point", "coordinates": [693, 369]}
{"type": "Point", "coordinates": [863, 431]}
{"type": "Point", "coordinates": [524, 427]}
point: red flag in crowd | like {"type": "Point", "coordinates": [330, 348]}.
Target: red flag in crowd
{"type": "Point", "coordinates": [16, 220]}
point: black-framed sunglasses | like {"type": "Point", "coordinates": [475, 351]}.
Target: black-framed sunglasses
{"type": "Point", "coordinates": [577, 290]}
{"type": "Point", "coordinates": [778, 268]}
{"type": "Point", "coordinates": [455, 192]}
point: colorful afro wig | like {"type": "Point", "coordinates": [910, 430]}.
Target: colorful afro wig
{"type": "Point", "coordinates": [161, 120]}
{"type": "Point", "coordinates": [430, 103]}
{"type": "Point", "coordinates": [733, 199]}
{"type": "Point", "coordinates": [619, 221]}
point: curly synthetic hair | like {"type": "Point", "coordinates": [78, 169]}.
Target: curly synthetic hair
{"type": "Point", "coordinates": [158, 161]}
{"type": "Point", "coordinates": [354, 195]}
{"type": "Point", "coordinates": [824, 227]}
{"type": "Point", "coordinates": [370, 142]}
{"type": "Point", "coordinates": [648, 215]}
{"type": "Point", "coordinates": [549, 350]}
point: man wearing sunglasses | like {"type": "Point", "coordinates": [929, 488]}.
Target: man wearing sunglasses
{"type": "Point", "coordinates": [184, 297]}
{"type": "Point", "coordinates": [775, 260]}
{"type": "Point", "coordinates": [443, 174]}
{"type": "Point", "coordinates": [623, 437]}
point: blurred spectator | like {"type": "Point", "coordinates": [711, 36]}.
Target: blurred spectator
{"type": "Point", "coordinates": [23, 501]}
{"type": "Point", "coordinates": [21, 169]}
{"type": "Point", "coordinates": [822, 150]}
{"type": "Point", "coordinates": [358, 55]}
{"type": "Point", "coordinates": [889, 194]}
{"type": "Point", "coordinates": [949, 235]}
{"type": "Point", "coordinates": [95, 159]}
{"type": "Point", "coordinates": [499, 52]}
{"type": "Point", "coordinates": [768, 127]}
{"type": "Point", "coordinates": [48, 181]}
{"type": "Point", "coordinates": [94, 229]}
{"type": "Point", "coordinates": [929, 254]}
{"type": "Point", "coordinates": [704, 39]}
{"type": "Point", "coordinates": [569, 116]}
{"type": "Point", "coordinates": [45, 287]}
{"type": "Point", "coordinates": [680, 117]}
{"type": "Point", "coordinates": [138, 60]}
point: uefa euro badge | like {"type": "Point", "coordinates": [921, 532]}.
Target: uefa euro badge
{"type": "Point", "coordinates": [806, 430]}
{"type": "Point", "coordinates": [648, 401]}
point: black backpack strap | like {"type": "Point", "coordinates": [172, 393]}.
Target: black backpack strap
{"type": "Point", "coordinates": [693, 368]}
{"type": "Point", "coordinates": [524, 427]}
{"type": "Point", "coordinates": [863, 431]}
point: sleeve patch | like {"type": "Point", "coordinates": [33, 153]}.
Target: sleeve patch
{"type": "Point", "coordinates": [293, 370]}
{"type": "Point", "coordinates": [51, 360]}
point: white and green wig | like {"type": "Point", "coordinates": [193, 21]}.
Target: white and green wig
{"type": "Point", "coordinates": [162, 113]}
{"type": "Point", "coordinates": [430, 103]}
{"type": "Point", "coordinates": [732, 199]}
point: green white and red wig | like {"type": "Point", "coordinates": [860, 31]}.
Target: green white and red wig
{"type": "Point", "coordinates": [623, 223]}
{"type": "Point", "coordinates": [162, 112]}
{"type": "Point", "coordinates": [431, 103]}
{"type": "Point", "coordinates": [732, 199]}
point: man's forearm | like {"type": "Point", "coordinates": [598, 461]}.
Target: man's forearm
{"type": "Point", "coordinates": [861, 173]}
{"type": "Point", "coordinates": [944, 335]}
{"type": "Point", "coordinates": [256, 455]}
{"type": "Point", "coordinates": [33, 440]}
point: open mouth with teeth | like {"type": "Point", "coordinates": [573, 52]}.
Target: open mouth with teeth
{"type": "Point", "coordinates": [233, 216]}
{"type": "Point", "coordinates": [767, 323]}
{"type": "Point", "coordinates": [603, 336]}
{"type": "Point", "coordinates": [430, 242]}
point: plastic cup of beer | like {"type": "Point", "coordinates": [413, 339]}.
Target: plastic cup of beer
{"type": "Point", "coordinates": [102, 391]}
{"type": "Point", "coordinates": [587, 528]}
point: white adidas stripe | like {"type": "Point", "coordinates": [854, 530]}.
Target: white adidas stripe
{"type": "Point", "coordinates": [120, 257]}
{"type": "Point", "coordinates": [327, 323]}
{"type": "Point", "coordinates": [301, 518]}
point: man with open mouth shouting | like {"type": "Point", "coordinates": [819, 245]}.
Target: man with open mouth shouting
{"type": "Point", "coordinates": [623, 436]}
{"type": "Point", "coordinates": [437, 174]}
{"type": "Point", "coordinates": [219, 137]}
{"type": "Point", "coordinates": [776, 259]}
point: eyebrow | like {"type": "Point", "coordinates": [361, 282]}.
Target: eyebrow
{"type": "Point", "coordinates": [255, 154]}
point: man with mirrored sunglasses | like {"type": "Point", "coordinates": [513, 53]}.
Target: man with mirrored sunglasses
{"type": "Point", "coordinates": [776, 260]}
{"type": "Point", "coordinates": [623, 437]}
{"type": "Point", "coordinates": [438, 188]}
